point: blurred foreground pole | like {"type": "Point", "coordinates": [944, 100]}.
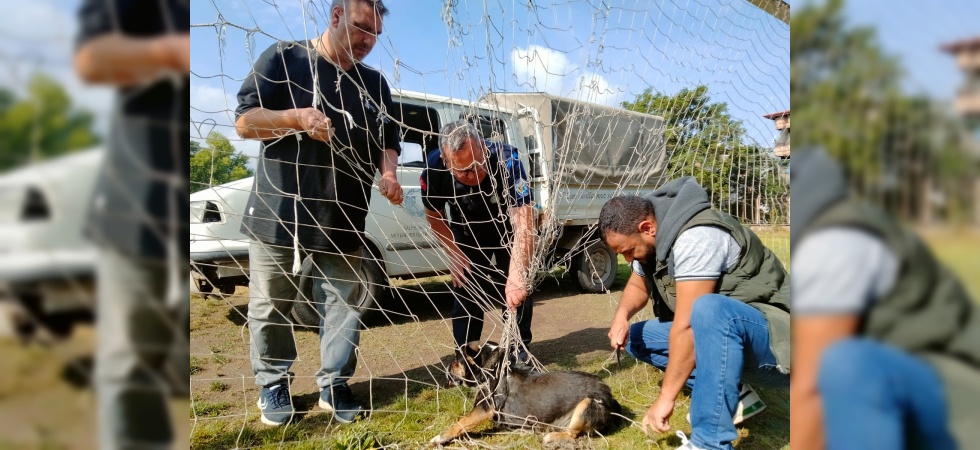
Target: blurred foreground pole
{"type": "Point", "coordinates": [139, 215]}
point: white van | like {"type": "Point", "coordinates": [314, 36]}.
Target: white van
{"type": "Point", "coordinates": [399, 238]}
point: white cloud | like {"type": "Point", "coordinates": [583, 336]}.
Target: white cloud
{"type": "Point", "coordinates": [540, 68]}
{"type": "Point", "coordinates": [543, 69]}
{"type": "Point", "coordinates": [595, 88]}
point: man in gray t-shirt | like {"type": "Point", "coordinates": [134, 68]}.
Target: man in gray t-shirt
{"type": "Point", "coordinates": [715, 288]}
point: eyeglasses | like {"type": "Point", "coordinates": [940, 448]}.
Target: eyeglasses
{"type": "Point", "coordinates": [473, 169]}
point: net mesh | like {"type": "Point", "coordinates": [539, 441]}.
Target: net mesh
{"type": "Point", "coordinates": [599, 99]}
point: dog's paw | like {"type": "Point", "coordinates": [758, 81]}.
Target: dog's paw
{"type": "Point", "coordinates": [438, 440]}
{"type": "Point", "coordinates": [557, 437]}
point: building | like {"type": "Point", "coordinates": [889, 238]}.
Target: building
{"type": "Point", "coordinates": [967, 100]}
{"type": "Point", "coordinates": [781, 119]}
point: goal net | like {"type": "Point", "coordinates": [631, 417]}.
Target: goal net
{"type": "Point", "coordinates": [591, 100]}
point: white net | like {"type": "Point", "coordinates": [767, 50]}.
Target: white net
{"type": "Point", "coordinates": [593, 100]}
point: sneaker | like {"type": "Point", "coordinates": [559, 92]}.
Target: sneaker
{"type": "Point", "coordinates": [686, 444]}
{"type": "Point", "coordinates": [342, 403]}
{"type": "Point", "coordinates": [275, 404]}
{"type": "Point", "coordinates": [749, 404]}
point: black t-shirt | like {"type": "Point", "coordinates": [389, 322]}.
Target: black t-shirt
{"type": "Point", "coordinates": [139, 205]}
{"type": "Point", "coordinates": [332, 182]}
{"type": "Point", "coordinates": [478, 214]}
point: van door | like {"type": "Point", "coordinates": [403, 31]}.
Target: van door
{"type": "Point", "coordinates": [402, 233]}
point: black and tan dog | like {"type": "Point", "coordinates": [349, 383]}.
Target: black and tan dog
{"type": "Point", "coordinates": [564, 404]}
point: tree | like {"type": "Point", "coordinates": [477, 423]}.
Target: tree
{"type": "Point", "coordinates": [896, 147]}
{"type": "Point", "coordinates": [41, 125]}
{"type": "Point", "coordinates": [216, 163]}
{"type": "Point", "coordinates": [705, 141]}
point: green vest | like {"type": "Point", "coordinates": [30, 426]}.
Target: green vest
{"type": "Point", "coordinates": [759, 280]}
{"type": "Point", "coordinates": [927, 312]}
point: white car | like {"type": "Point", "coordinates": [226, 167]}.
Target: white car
{"type": "Point", "coordinates": [47, 267]}
{"type": "Point", "coordinates": [399, 238]}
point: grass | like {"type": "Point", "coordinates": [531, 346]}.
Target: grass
{"type": "Point", "coordinates": [410, 420]}
{"type": "Point", "coordinates": [960, 251]}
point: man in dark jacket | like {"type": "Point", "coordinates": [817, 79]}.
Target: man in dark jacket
{"type": "Point", "coordinates": [490, 219]}
{"type": "Point", "coordinates": [721, 299]}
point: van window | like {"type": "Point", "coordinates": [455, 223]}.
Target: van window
{"type": "Point", "coordinates": [412, 155]}
{"type": "Point", "coordinates": [492, 128]}
{"type": "Point", "coordinates": [420, 125]}
{"type": "Point", "coordinates": [36, 206]}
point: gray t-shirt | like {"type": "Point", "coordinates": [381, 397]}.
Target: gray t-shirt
{"type": "Point", "coordinates": [840, 270]}
{"type": "Point", "coordinates": [701, 253]}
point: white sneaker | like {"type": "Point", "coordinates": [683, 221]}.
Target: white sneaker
{"type": "Point", "coordinates": [749, 404]}
{"type": "Point", "coordinates": [685, 444]}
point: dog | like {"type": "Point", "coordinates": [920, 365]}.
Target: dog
{"type": "Point", "coordinates": [563, 404]}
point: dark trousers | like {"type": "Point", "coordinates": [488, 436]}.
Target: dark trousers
{"type": "Point", "coordinates": [484, 289]}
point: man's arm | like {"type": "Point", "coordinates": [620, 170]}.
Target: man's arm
{"type": "Point", "coordinates": [811, 336]}
{"type": "Point", "coordinates": [634, 298]}
{"type": "Point", "coordinates": [389, 185]}
{"type": "Point", "coordinates": [681, 351]}
{"type": "Point", "coordinates": [519, 272]}
{"type": "Point", "coordinates": [681, 346]}
{"type": "Point", "coordinates": [264, 124]}
{"type": "Point", "coordinates": [458, 263]}
{"type": "Point", "coordinates": [124, 61]}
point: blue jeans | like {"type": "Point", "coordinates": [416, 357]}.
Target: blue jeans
{"type": "Point", "coordinates": [272, 293]}
{"type": "Point", "coordinates": [731, 344]}
{"type": "Point", "coordinates": [878, 397]}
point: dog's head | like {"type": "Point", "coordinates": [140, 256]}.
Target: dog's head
{"type": "Point", "coordinates": [475, 364]}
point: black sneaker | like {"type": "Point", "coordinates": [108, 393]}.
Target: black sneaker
{"type": "Point", "coordinates": [342, 403]}
{"type": "Point", "coordinates": [275, 404]}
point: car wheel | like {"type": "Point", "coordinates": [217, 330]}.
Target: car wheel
{"type": "Point", "coordinates": [374, 285]}
{"type": "Point", "coordinates": [595, 268]}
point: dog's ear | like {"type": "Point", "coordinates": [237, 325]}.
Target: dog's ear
{"type": "Point", "coordinates": [492, 358]}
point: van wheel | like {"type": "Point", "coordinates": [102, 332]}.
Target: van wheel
{"type": "Point", "coordinates": [374, 285]}
{"type": "Point", "coordinates": [595, 268]}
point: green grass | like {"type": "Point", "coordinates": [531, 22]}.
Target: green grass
{"type": "Point", "coordinates": [423, 411]}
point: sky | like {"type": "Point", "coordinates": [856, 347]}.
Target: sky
{"type": "Point", "coordinates": [604, 55]}
{"type": "Point", "coordinates": [568, 48]}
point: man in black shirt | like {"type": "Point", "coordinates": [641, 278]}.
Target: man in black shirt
{"type": "Point", "coordinates": [486, 189]}
{"type": "Point", "coordinates": [323, 119]}
{"type": "Point", "coordinates": [139, 215]}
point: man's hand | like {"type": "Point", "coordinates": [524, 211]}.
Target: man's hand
{"type": "Point", "coordinates": [515, 292]}
{"type": "Point", "coordinates": [315, 123]}
{"type": "Point", "coordinates": [180, 47]}
{"type": "Point", "coordinates": [618, 333]}
{"type": "Point", "coordinates": [657, 417]}
{"type": "Point", "coordinates": [391, 189]}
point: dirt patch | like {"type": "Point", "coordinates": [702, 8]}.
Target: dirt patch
{"type": "Point", "coordinates": [410, 339]}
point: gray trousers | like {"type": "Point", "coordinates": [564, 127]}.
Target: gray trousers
{"type": "Point", "coordinates": [137, 335]}
{"type": "Point", "coordinates": [273, 291]}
